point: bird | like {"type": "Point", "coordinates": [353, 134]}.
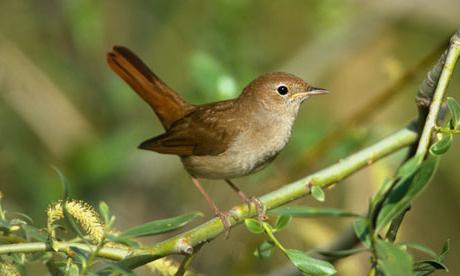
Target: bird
{"type": "Point", "coordinates": [222, 140]}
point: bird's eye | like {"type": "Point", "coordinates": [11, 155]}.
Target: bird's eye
{"type": "Point", "coordinates": [282, 90]}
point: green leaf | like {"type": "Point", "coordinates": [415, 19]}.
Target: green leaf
{"type": "Point", "coordinates": [383, 190]}
{"type": "Point", "coordinates": [74, 270]}
{"type": "Point", "coordinates": [160, 226]}
{"type": "Point", "coordinates": [282, 222]}
{"type": "Point", "coordinates": [454, 109]}
{"type": "Point", "coordinates": [421, 247]}
{"type": "Point", "coordinates": [34, 234]}
{"type": "Point", "coordinates": [104, 210]}
{"type": "Point", "coordinates": [427, 267]}
{"type": "Point", "coordinates": [442, 145]}
{"type": "Point", "coordinates": [410, 166]}
{"type": "Point", "coordinates": [64, 182]}
{"type": "Point", "coordinates": [405, 191]}
{"type": "Point", "coordinates": [392, 259]}
{"type": "Point", "coordinates": [318, 193]}
{"type": "Point", "coordinates": [305, 211]}
{"type": "Point", "coordinates": [254, 226]}
{"type": "Point", "coordinates": [79, 253]}
{"type": "Point", "coordinates": [129, 263]}
{"type": "Point", "coordinates": [362, 231]}
{"type": "Point", "coordinates": [264, 250]}
{"type": "Point", "coordinates": [444, 250]}
{"type": "Point", "coordinates": [309, 265]}
{"type": "Point", "coordinates": [123, 240]}
{"type": "Point", "coordinates": [342, 253]}
{"type": "Point", "coordinates": [118, 268]}
{"type": "Point", "coordinates": [24, 216]}
{"type": "Point", "coordinates": [377, 200]}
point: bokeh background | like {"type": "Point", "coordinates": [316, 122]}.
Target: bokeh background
{"type": "Point", "coordinates": [61, 105]}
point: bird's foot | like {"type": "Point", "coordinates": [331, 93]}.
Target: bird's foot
{"type": "Point", "coordinates": [260, 207]}
{"type": "Point", "coordinates": [225, 218]}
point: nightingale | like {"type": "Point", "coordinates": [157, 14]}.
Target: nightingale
{"type": "Point", "coordinates": [220, 140]}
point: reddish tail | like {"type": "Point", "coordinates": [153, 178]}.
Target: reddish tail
{"type": "Point", "coordinates": [168, 106]}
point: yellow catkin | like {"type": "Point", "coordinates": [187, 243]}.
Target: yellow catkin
{"type": "Point", "coordinates": [85, 215]}
{"type": "Point", "coordinates": [167, 267]}
{"type": "Point", "coordinates": [7, 269]}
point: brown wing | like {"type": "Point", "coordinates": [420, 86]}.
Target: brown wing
{"type": "Point", "coordinates": [202, 132]}
{"type": "Point", "coordinates": [168, 106]}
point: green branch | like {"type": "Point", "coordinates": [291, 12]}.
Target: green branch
{"type": "Point", "coordinates": [31, 247]}
{"type": "Point", "coordinates": [435, 106]}
{"type": "Point", "coordinates": [185, 242]}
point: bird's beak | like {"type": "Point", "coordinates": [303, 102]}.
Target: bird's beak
{"type": "Point", "coordinates": [311, 91]}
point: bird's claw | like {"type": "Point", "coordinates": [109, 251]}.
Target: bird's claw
{"type": "Point", "coordinates": [260, 207]}
{"type": "Point", "coordinates": [225, 218]}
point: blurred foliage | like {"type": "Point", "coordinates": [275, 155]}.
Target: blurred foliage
{"type": "Point", "coordinates": [208, 50]}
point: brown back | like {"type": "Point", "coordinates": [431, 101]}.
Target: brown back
{"type": "Point", "coordinates": [168, 106]}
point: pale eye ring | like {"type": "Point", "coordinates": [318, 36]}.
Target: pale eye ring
{"type": "Point", "coordinates": [282, 90]}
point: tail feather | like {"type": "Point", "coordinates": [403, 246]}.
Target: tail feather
{"type": "Point", "coordinates": [168, 106]}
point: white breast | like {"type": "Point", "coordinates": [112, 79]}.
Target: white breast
{"type": "Point", "coordinates": [251, 151]}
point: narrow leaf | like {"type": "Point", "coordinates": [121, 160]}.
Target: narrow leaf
{"type": "Point", "coordinates": [123, 240]}
{"type": "Point", "coordinates": [254, 226]}
{"type": "Point", "coordinates": [282, 222]}
{"type": "Point", "coordinates": [64, 182]}
{"type": "Point", "coordinates": [264, 250]}
{"type": "Point", "coordinates": [410, 166]}
{"type": "Point", "coordinates": [80, 252]}
{"type": "Point", "coordinates": [105, 212]}
{"type": "Point", "coordinates": [342, 253]}
{"type": "Point", "coordinates": [442, 145]}
{"type": "Point", "coordinates": [444, 250]}
{"type": "Point", "coordinates": [454, 109]}
{"type": "Point", "coordinates": [305, 211]}
{"type": "Point", "coordinates": [405, 191]}
{"type": "Point", "coordinates": [129, 263]}
{"type": "Point", "coordinates": [74, 270]}
{"type": "Point", "coordinates": [318, 193]}
{"type": "Point", "coordinates": [362, 231]}
{"type": "Point", "coordinates": [383, 190]}
{"type": "Point", "coordinates": [427, 267]}
{"type": "Point", "coordinates": [377, 200]}
{"type": "Point", "coordinates": [118, 268]}
{"type": "Point", "coordinates": [309, 265]}
{"type": "Point", "coordinates": [421, 247]}
{"type": "Point", "coordinates": [160, 226]}
{"type": "Point", "coordinates": [392, 259]}
{"type": "Point", "coordinates": [34, 234]}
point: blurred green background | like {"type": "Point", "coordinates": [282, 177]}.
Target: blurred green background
{"type": "Point", "coordinates": [61, 105]}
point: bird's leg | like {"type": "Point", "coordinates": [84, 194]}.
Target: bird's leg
{"type": "Point", "coordinates": [248, 200]}
{"type": "Point", "coordinates": [224, 216]}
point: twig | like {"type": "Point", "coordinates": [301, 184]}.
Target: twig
{"type": "Point", "coordinates": [380, 100]}
{"type": "Point", "coordinates": [285, 194]}
{"type": "Point", "coordinates": [430, 123]}
{"type": "Point", "coordinates": [429, 100]}
{"type": "Point", "coordinates": [31, 247]}
{"type": "Point", "coordinates": [211, 229]}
